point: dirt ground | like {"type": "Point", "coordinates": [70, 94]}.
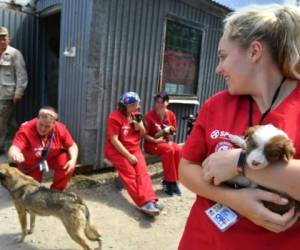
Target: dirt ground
{"type": "Point", "coordinates": [112, 211]}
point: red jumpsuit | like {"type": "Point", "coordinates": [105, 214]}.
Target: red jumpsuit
{"type": "Point", "coordinates": [135, 178]}
{"type": "Point", "coordinates": [223, 114]}
{"type": "Point", "coordinates": [28, 140]}
{"type": "Point", "coordinates": [169, 152]}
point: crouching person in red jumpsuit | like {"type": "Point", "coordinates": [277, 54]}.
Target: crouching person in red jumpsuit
{"type": "Point", "coordinates": [124, 133]}
{"type": "Point", "coordinates": [43, 143]}
{"type": "Point", "coordinates": [161, 127]}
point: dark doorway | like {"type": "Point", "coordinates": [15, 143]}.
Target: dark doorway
{"type": "Point", "coordinates": [50, 55]}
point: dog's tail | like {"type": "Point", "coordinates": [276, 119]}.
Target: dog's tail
{"type": "Point", "coordinates": [91, 232]}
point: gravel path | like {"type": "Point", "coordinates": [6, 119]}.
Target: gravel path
{"type": "Point", "coordinates": [122, 225]}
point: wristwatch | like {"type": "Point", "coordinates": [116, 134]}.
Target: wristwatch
{"type": "Point", "coordinates": [241, 163]}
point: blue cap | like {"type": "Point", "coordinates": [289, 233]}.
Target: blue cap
{"type": "Point", "coordinates": [129, 98]}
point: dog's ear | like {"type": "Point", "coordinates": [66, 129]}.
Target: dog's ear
{"type": "Point", "coordinates": [279, 148]}
{"type": "Point", "coordinates": [289, 151]}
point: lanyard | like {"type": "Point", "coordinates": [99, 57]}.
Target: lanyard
{"type": "Point", "coordinates": [263, 116]}
{"type": "Point", "coordinates": [46, 151]}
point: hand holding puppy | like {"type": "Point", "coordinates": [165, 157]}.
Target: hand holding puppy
{"type": "Point", "coordinates": [221, 166]}
{"type": "Point", "coordinates": [253, 208]}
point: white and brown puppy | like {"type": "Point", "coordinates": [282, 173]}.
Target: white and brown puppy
{"type": "Point", "coordinates": [264, 145]}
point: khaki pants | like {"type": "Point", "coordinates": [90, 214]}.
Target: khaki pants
{"type": "Point", "coordinates": [6, 110]}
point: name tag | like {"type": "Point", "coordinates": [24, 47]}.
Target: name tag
{"type": "Point", "coordinates": [223, 217]}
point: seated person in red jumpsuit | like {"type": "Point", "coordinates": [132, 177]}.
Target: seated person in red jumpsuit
{"type": "Point", "coordinates": [43, 143]}
{"type": "Point", "coordinates": [124, 133]}
{"type": "Point", "coordinates": [161, 126]}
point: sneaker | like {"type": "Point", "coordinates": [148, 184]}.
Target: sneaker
{"type": "Point", "coordinates": [150, 209]}
{"type": "Point", "coordinates": [167, 188]}
{"type": "Point", "coordinates": [176, 189]}
{"type": "Point", "coordinates": [159, 206]}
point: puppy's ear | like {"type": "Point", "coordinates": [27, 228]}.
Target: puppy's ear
{"type": "Point", "coordinates": [279, 148]}
{"type": "Point", "coordinates": [289, 151]}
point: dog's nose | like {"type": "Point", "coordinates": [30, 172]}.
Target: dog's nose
{"type": "Point", "coordinates": [255, 163]}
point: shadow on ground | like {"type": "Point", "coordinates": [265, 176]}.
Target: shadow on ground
{"type": "Point", "coordinates": [111, 195]}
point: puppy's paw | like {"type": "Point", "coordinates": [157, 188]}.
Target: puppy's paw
{"type": "Point", "coordinates": [30, 231]}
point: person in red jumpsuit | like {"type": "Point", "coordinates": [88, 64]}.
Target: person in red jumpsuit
{"type": "Point", "coordinates": [161, 127]}
{"type": "Point", "coordinates": [44, 143]}
{"type": "Point", "coordinates": [259, 57]}
{"type": "Point", "coordinates": [124, 132]}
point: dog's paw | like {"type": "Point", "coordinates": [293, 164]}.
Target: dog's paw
{"type": "Point", "coordinates": [30, 231]}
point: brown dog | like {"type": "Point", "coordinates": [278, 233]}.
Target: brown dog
{"type": "Point", "coordinates": [29, 196]}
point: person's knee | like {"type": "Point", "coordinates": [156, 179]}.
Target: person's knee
{"type": "Point", "coordinates": [61, 179]}
{"type": "Point", "coordinates": [169, 151]}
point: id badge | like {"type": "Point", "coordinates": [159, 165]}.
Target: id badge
{"type": "Point", "coordinates": [223, 217]}
{"type": "Point", "coordinates": [44, 166]}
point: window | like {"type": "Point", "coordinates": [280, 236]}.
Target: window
{"type": "Point", "coordinates": [181, 59]}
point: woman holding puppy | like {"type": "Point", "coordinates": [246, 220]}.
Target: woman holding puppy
{"type": "Point", "coordinates": [161, 126]}
{"type": "Point", "coordinates": [259, 56]}
{"type": "Point", "coordinates": [124, 133]}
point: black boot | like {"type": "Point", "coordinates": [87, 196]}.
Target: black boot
{"type": "Point", "coordinates": [176, 189]}
{"type": "Point", "coordinates": [167, 188]}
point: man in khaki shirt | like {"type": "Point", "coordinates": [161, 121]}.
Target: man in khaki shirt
{"type": "Point", "coordinates": [13, 82]}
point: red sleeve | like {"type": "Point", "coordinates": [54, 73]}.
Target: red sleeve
{"type": "Point", "coordinates": [20, 139]}
{"type": "Point", "coordinates": [113, 126]}
{"type": "Point", "coordinates": [195, 148]}
{"type": "Point", "coordinates": [65, 136]}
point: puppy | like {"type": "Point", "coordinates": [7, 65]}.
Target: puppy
{"type": "Point", "coordinates": [29, 196]}
{"type": "Point", "coordinates": [263, 146]}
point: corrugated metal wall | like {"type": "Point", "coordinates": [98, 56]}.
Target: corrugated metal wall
{"type": "Point", "coordinates": [75, 27]}
{"type": "Point", "coordinates": [128, 35]}
{"type": "Point", "coordinates": [123, 41]}
{"type": "Point", "coordinates": [22, 30]}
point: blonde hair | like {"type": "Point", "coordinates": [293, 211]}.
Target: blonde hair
{"type": "Point", "coordinates": [276, 26]}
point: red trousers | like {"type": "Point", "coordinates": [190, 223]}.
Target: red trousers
{"type": "Point", "coordinates": [60, 178]}
{"type": "Point", "coordinates": [135, 178]}
{"type": "Point", "coordinates": [170, 154]}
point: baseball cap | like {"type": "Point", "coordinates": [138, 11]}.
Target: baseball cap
{"type": "Point", "coordinates": [3, 31]}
